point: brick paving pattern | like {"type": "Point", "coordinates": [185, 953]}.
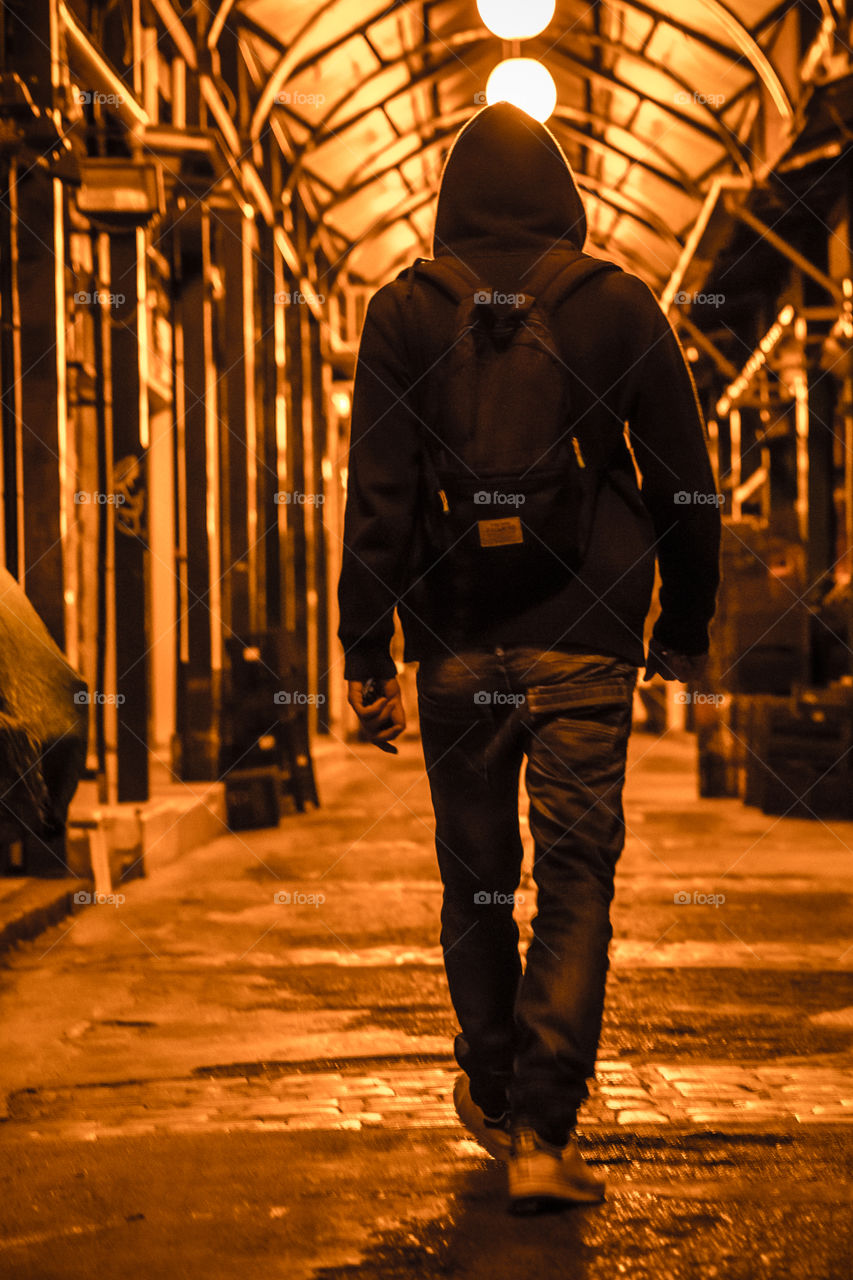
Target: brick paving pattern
{"type": "Point", "coordinates": [625, 1094]}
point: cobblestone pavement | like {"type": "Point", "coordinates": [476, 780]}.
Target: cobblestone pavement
{"type": "Point", "coordinates": [261, 1030]}
{"type": "Point", "coordinates": [627, 1093]}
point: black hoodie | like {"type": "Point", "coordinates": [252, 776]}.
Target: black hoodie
{"type": "Point", "coordinates": [508, 199]}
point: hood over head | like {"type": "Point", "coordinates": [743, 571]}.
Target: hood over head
{"type": "Point", "coordinates": [506, 185]}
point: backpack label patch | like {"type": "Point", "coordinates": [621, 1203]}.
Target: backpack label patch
{"type": "Point", "coordinates": [500, 533]}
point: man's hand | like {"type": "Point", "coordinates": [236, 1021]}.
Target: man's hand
{"type": "Point", "coordinates": [383, 719]}
{"type": "Point", "coordinates": [688, 668]}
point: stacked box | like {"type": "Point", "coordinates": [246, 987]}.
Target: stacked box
{"type": "Point", "coordinates": [252, 798]}
{"type": "Point", "coordinates": [760, 632]}
{"type": "Point", "coordinates": [799, 760]}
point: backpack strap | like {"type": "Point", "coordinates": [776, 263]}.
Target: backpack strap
{"type": "Point", "coordinates": [569, 276]}
{"type": "Point", "coordinates": [408, 274]}
{"type": "Point", "coordinates": [450, 275]}
{"type": "Point", "coordinates": [553, 286]}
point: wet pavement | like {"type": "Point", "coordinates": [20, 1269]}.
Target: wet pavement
{"type": "Point", "coordinates": [244, 1067]}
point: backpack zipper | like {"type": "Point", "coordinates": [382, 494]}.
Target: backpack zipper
{"type": "Point", "coordinates": [577, 447]}
{"type": "Point", "coordinates": [445, 505]}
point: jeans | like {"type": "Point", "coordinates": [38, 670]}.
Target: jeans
{"type": "Point", "coordinates": [528, 1041]}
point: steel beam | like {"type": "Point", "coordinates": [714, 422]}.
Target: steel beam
{"type": "Point", "coordinates": [787, 250]}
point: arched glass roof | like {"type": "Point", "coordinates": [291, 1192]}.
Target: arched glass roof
{"type": "Point", "coordinates": [655, 101]}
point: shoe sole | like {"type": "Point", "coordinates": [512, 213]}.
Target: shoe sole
{"type": "Point", "coordinates": [530, 1206]}
{"type": "Point", "coordinates": [530, 1195]}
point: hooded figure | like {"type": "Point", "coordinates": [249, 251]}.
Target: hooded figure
{"type": "Point", "coordinates": [546, 671]}
{"type": "Point", "coordinates": [492, 198]}
{"type": "Point", "coordinates": [507, 200]}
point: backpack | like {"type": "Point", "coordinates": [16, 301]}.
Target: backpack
{"type": "Point", "coordinates": [508, 496]}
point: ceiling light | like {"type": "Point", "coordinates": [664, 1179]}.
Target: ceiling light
{"type": "Point", "coordinates": [526, 84]}
{"type": "Point", "coordinates": [513, 21]}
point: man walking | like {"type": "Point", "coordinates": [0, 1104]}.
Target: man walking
{"type": "Point", "coordinates": [522, 589]}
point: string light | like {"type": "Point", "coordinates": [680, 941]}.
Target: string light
{"type": "Point", "coordinates": [759, 357]}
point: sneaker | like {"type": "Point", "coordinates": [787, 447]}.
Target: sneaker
{"type": "Point", "coordinates": [541, 1175]}
{"type": "Point", "coordinates": [493, 1135]}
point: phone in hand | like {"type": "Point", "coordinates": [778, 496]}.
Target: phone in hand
{"type": "Point", "coordinates": [371, 691]}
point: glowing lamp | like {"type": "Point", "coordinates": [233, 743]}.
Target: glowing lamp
{"type": "Point", "coordinates": [513, 21]}
{"type": "Point", "coordinates": [526, 84]}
